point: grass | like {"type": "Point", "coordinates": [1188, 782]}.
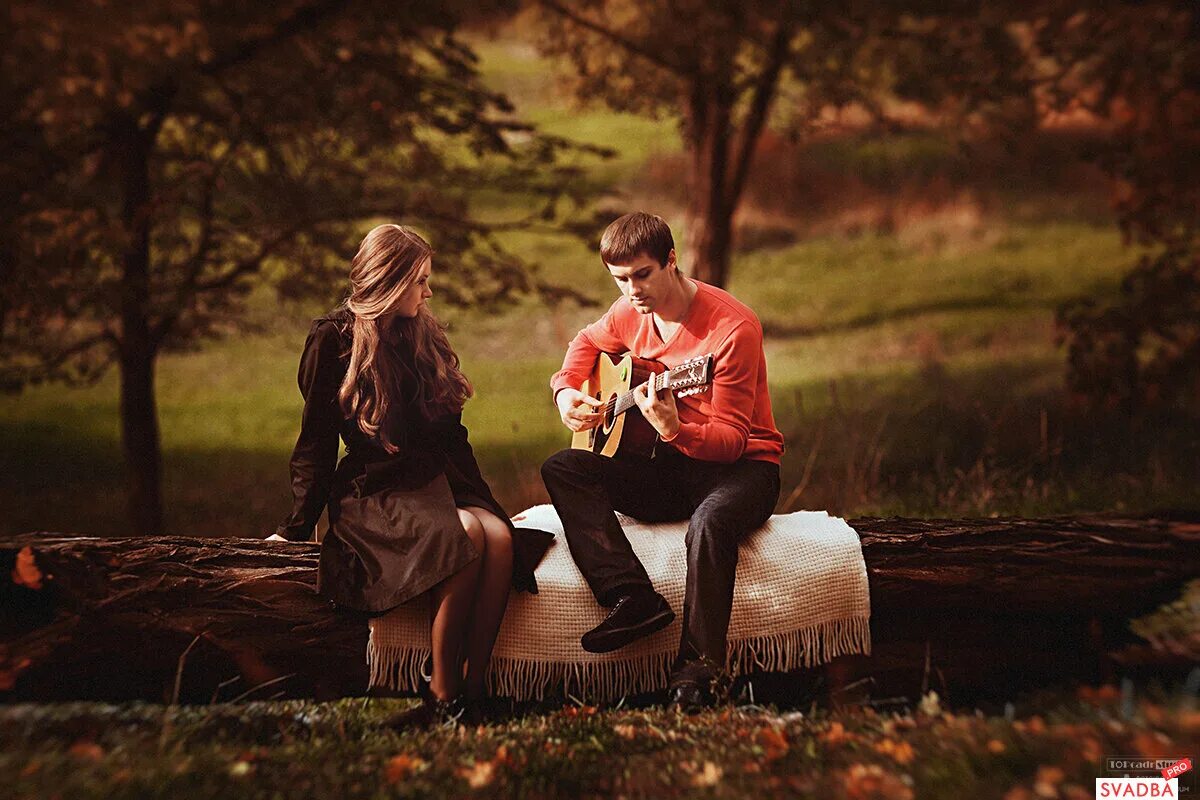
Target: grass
{"type": "Point", "coordinates": [1052, 747]}
{"type": "Point", "coordinates": [861, 330]}
{"type": "Point", "coordinates": [913, 366]}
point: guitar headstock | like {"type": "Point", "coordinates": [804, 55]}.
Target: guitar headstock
{"type": "Point", "coordinates": [690, 377]}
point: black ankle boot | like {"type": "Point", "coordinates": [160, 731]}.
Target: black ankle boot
{"type": "Point", "coordinates": [432, 712]}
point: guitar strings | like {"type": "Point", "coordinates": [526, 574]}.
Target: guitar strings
{"type": "Point", "coordinates": [611, 405]}
{"type": "Point", "coordinates": [613, 401]}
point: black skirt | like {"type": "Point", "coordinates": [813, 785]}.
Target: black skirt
{"type": "Point", "coordinates": [394, 530]}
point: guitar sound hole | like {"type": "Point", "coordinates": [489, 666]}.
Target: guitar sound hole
{"type": "Point", "coordinates": [609, 416]}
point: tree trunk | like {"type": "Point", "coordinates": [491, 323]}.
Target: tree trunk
{"type": "Point", "coordinates": [971, 608]}
{"type": "Point", "coordinates": [139, 412]}
{"type": "Point", "coordinates": [709, 213]}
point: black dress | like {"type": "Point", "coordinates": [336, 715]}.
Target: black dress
{"type": "Point", "coordinates": [394, 531]}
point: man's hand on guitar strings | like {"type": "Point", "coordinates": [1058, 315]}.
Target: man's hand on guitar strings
{"type": "Point", "coordinates": [658, 408]}
{"type": "Point", "coordinates": [578, 410]}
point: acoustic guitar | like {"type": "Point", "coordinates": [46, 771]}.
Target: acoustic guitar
{"type": "Point", "coordinates": [623, 430]}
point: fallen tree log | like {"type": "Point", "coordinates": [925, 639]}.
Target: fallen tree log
{"type": "Point", "coordinates": [971, 608]}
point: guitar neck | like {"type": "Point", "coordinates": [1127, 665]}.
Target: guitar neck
{"type": "Point", "coordinates": [626, 401]}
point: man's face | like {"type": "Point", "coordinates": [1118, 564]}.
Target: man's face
{"type": "Point", "coordinates": [644, 281]}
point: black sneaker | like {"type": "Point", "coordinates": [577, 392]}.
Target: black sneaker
{"type": "Point", "coordinates": [633, 617]}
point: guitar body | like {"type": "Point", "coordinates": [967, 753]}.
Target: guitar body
{"type": "Point", "coordinates": [626, 434]}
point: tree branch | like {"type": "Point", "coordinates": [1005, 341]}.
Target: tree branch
{"type": "Point", "coordinates": [616, 38]}
{"type": "Point", "coordinates": [764, 93]}
{"type": "Point", "coordinates": [306, 17]}
{"type": "Point", "coordinates": [247, 265]}
{"type": "Point", "coordinates": [195, 263]}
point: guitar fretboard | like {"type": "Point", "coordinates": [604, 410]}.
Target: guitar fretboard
{"type": "Point", "coordinates": [625, 402]}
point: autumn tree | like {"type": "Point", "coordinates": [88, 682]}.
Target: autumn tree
{"type": "Point", "coordinates": [1135, 67]}
{"type": "Point", "coordinates": [720, 68]}
{"type": "Point", "coordinates": [162, 158]}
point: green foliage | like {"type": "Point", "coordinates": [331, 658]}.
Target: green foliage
{"type": "Point", "coordinates": [1137, 66]}
{"type": "Point", "coordinates": [1143, 351]}
{"type": "Point", "coordinates": [174, 154]}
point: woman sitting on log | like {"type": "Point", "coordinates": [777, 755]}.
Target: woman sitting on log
{"type": "Point", "coordinates": [409, 511]}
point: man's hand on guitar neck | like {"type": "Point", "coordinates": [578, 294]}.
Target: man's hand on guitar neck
{"type": "Point", "coordinates": [577, 409]}
{"type": "Point", "coordinates": [659, 409]}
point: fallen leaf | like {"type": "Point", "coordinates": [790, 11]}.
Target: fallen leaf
{"type": "Point", "coordinates": [836, 734]}
{"type": "Point", "coordinates": [900, 751]}
{"type": "Point", "coordinates": [996, 746]}
{"type": "Point", "coordinates": [1152, 745]}
{"type": "Point", "coordinates": [26, 572]}
{"type": "Point", "coordinates": [240, 769]}
{"type": "Point", "coordinates": [1045, 784]}
{"type": "Point", "coordinates": [1100, 695]}
{"type": "Point", "coordinates": [709, 775]}
{"type": "Point", "coordinates": [625, 731]}
{"type": "Point", "coordinates": [479, 775]}
{"type": "Point", "coordinates": [872, 782]}
{"type": "Point", "coordinates": [774, 743]}
{"type": "Point", "coordinates": [571, 712]}
{"type": "Point", "coordinates": [1189, 722]}
{"type": "Point", "coordinates": [85, 750]}
{"type": "Point", "coordinates": [401, 766]}
{"type": "Point", "coordinates": [1033, 725]}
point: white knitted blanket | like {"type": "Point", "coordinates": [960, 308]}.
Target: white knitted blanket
{"type": "Point", "coordinates": [799, 600]}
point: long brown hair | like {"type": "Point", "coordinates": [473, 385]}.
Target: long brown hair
{"type": "Point", "coordinates": [388, 261]}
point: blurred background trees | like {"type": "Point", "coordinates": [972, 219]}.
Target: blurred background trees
{"type": "Point", "coordinates": [1137, 67]}
{"type": "Point", "coordinates": [168, 157]}
{"type": "Point", "coordinates": [726, 70]}
{"type": "Point", "coordinates": [916, 198]}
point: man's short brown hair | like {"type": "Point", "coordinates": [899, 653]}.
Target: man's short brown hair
{"type": "Point", "coordinates": [634, 234]}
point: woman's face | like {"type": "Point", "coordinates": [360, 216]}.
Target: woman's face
{"type": "Point", "coordinates": [412, 298]}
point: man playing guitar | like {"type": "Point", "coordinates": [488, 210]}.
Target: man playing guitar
{"type": "Point", "coordinates": [716, 463]}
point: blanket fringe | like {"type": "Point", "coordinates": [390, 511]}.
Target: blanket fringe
{"type": "Point", "coordinates": [399, 667]}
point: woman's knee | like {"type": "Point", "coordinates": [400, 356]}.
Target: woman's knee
{"type": "Point", "coordinates": [499, 538]}
{"type": "Point", "coordinates": [496, 533]}
{"type": "Point", "coordinates": [474, 530]}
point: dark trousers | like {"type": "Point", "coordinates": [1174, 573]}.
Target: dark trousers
{"type": "Point", "coordinates": [723, 503]}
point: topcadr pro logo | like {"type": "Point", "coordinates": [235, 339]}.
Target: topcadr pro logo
{"type": "Point", "coordinates": [1142, 777]}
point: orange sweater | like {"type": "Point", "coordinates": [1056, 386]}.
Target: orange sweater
{"type": "Point", "coordinates": [733, 418]}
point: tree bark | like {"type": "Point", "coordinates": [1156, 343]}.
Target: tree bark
{"type": "Point", "coordinates": [971, 608]}
{"type": "Point", "coordinates": [137, 350]}
{"type": "Point", "coordinates": [709, 212]}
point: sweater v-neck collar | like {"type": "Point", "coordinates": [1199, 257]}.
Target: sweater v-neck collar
{"type": "Point", "coordinates": [687, 315]}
